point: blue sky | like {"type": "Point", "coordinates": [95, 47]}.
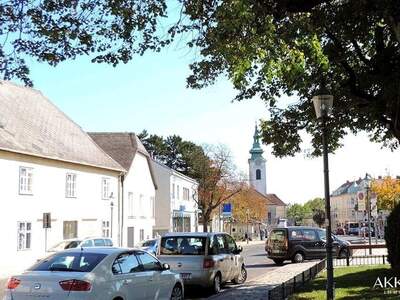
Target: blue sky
{"type": "Point", "coordinates": [150, 93]}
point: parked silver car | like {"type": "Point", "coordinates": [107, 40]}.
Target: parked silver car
{"type": "Point", "coordinates": [97, 273]}
{"type": "Point", "coordinates": [205, 259]}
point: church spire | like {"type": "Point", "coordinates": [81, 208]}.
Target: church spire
{"type": "Point", "coordinates": [256, 151]}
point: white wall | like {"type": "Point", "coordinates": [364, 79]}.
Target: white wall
{"type": "Point", "coordinates": [140, 215]}
{"type": "Point", "coordinates": [167, 203]}
{"type": "Point", "coordinates": [49, 179]}
{"type": "Point", "coordinates": [177, 201]}
{"type": "Point", "coordinates": [261, 184]}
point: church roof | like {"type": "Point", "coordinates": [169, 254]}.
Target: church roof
{"type": "Point", "coordinates": [256, 151]}
{"type": "Point", "coordinates": [275, 200]}
{"type": "Point", "coordinates": [30, 124]}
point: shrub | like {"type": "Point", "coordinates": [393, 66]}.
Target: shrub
{"type": "Point", "coordinates": [392, 238]}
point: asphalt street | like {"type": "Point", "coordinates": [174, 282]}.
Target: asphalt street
{"type": "Point", "coordinates": [257, 265]}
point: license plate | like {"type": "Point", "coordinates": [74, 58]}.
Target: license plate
{"type": "Point", "coordinates": [276, 251]}
{"type": "Point", "coordinates": [186, 276]}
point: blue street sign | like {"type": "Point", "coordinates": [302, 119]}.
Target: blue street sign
{"type": "Point", "coordinates": [227, 209]}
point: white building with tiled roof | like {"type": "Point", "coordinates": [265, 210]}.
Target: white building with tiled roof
{"type": "Point", "coordinates": [48, 164]}
{"type": "Point", "coordinates": [139, 184]}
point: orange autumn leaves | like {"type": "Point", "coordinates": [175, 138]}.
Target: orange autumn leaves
{"type": "Point", "coordinates": [248, 200]}
{"type": "Point", "coordinates": [388, 192]}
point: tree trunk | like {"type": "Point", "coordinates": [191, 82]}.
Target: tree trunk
{"type": "Point", "coordinates": [206, 220]}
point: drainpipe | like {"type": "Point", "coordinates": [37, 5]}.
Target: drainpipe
{"type": "Point", "coordinates": [121, 210]}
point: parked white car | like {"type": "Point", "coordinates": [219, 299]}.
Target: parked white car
{"type": "Point", "coordinates": [85, 242]}
{"type": "Point", "coordinates": [96, 273]}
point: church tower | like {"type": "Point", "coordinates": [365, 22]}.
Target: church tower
{"type": "Point", "coordinates": [257, 170]}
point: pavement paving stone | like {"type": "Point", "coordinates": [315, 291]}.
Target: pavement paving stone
{"type": "Point", "coordinates": [257, 289]}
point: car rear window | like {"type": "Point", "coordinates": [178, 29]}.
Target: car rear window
{"type": "Point", "coordinates": [149, 243]}
{"type": "Point", "coordinates": [69, 262]}
{"type": "Point", "coordinates": [183, 245]}
{"type": "Point", "coordinates": [278, 235]}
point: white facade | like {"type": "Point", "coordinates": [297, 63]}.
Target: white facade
{"type": "Point", "coordinates": [257, 165]}
{"type": "Point", "coordinates": [176, 208]}
{"type": "Point", "coordinates": [257, 174]}
{"type": "Point", "coordinates": [77, 196]}
{"type": "Point", "coordinates": [139, 202]}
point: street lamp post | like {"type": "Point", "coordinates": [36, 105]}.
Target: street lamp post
{"type": "Point", "coordinates": [323, 105]}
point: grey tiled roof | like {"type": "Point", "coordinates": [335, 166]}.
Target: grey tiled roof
{"type": "Point", "coordinates": [31, 124]}
{"type": "Point", "coordinates": [122, 147]}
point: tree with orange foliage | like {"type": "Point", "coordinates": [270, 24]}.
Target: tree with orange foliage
{"type": "Point", "coordinates": [388, 192]}
{"type": "Point", "coordinates": [217, 180]}
{"type": "Point", "coordinates": [248, 205]}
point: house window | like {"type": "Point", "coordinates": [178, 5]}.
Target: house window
{"type": "Point", "coordinates": [25, 180]}
{"type": "Point", "coordinates": [141, 234]}
{"type": "Point", "coordinates": [258, 174]}
{"type": "Point", "coordinates": [105, 228]}
{"type": "Point", "coordinates": [70, 229]}
{"type": "Point", "coordinates": [70, 186]}
{"type": "Point", "coordinates": [105, 188]}
{"type": "Point", "coordinates": [152, 206]}
{"type": "Point", "coordinates": [177, 192]}
{"type": "Point", "coordinates": [141, 206]}
{"type": "Point", "coordinates": [185, 193]}
{"type": "Point", "coordinates": [24, 235]}
{"type": "Point", "coordinates": [131, 208]}
{"type": "Point", "coordinates": [173, 191]}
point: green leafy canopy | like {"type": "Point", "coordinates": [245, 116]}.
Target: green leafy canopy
{"type": "Point", "coordinates": [267, 48]}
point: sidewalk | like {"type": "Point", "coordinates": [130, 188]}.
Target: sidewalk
{"type": "Point", "coordinates": [257, 289]}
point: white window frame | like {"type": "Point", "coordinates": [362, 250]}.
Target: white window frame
{"type": "Point", "coordinates": [152, 204]}
{"type": "Point", "coordinates": [106, 228]}
{"type": "Point", "coordinates": [23, 236]}
{"type": "Point", "coordinates": [25, 181]}
{"type": "Point", "coordinates": [173, 191]}
{"type": "Point", "coordinates": [186, 193]}
{"type": "Point", "coordinates": [141, 234]}
{"type": "Point", "coordinates": [105, 188]}
{"type": "Point", "coordinates": [131, 205]}
{"type": "Point", "coordinates": [70, 185]}
{"type": "Point", "coordinates": [177, 192]}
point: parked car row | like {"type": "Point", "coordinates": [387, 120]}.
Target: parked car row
{"type": "Point", "coordinates": [82, 270]}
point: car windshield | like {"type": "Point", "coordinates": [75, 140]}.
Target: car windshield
{"type": "Point", "coordinates": [149, 243]}
{"type": "Point", "coordinates": [69, 262]}
{"type": "Point", "coordinates": [64, 245]}
{"type": "Point", "coordinates": [183, 245]}
{"type": "Point", "coordinates": [277, 235]}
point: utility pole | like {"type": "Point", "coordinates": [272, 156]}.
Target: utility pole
{"type": "Point", "coordinates": [369, 217]}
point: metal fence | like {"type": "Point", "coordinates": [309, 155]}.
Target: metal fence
{"type": "Point", "coordinates": [361, 260]}
{"type": "Point", "coordinates": [289, 287]}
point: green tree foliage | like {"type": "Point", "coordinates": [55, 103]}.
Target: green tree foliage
{"type": "Point", "coordinates": [296, 213]}
{"type": "Point", "coordinates": [314, 205]}
{"type": "Point", "coordinates": [52, 31]}
{"type": "Point", "coordinates": [319, 217]}
{"type": "Point", "coordinates": [267, 48]}
{"type": "Point", "coordinates": [392, 238]}
{"type": "Point", "coordinates": [211, 167]}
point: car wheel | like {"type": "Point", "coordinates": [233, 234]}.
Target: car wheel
{"type": "Point", "coordinates": [241, 278]}
{"type": "Point", "coordinates": [278, 262]}
{"type": "Point", "coordinates": [298, 258]}
{"type": "Point", "coordinates": [217, 282]}
{"type": "Point", "coordinates": [177, 293]}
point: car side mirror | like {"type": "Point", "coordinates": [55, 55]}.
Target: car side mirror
{"type": "Point", "coordinates": [166, 267]}
{"type": "Point", "coordinates": [238, 249]}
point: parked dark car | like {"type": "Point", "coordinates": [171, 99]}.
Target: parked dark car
{"type": "Point", "coordinates": [299, 243]}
